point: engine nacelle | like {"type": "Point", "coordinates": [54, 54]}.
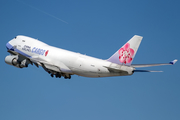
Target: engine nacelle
{"type": "Point", "coordinates": [16, 61]}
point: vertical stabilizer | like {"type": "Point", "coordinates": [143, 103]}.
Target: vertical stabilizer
{"type": "Point", "coordinates": [127, 52]}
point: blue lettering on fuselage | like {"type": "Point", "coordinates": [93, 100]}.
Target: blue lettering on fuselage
{"type": "Point", "coordinates": [26, 48]}
{"type": "Point", "coordinates": [38, 51]}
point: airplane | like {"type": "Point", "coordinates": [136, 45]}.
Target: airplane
{"type": "Point", "coordinates": [59, 62]}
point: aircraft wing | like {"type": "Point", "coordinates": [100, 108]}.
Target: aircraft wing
{"type": "Point", "coordinates": [150, 65]}
{"type": "Point", "coordinates": [55, 66]}
{"type": "Point", "coordinates": [48, 66]}
{"type": "Point", "coordinates": [12, 52]}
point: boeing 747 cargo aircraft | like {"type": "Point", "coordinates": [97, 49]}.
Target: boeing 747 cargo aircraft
{"type": "Point", "coordinates": [59, 62]}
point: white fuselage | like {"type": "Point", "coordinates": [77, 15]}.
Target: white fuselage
{"type": "Point", "coordinates": [59, 62]}
{"type": "Point", "coordinates": [75, 63]}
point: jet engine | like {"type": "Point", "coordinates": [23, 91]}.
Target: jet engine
{"type": "Point", "coordinates": [17, 61]}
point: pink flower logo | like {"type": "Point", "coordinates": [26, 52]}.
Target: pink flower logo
{"type": "Point", "coordinates": [125, 54]}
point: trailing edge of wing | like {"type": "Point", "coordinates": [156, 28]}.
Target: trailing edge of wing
{"type": "Point", "coordinates": [150, 65]}
{"type": "Point", "coordinates": [12, 52]}
{"type": "Point", "coordinates": [55, 66]}
{"type": "Point", "coordinates": [51, 67]}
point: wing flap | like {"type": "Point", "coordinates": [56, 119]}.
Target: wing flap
{"type": "Point", "coordinates": [55, 66]}
{"type": "Point", "coordinates": [51, 67]}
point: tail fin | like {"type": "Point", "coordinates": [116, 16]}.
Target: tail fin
{"type": "Point", "coordinates": [127, 52]}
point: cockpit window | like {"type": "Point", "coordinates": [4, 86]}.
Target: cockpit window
{"type": "Point", "coordinates": [23, 40]}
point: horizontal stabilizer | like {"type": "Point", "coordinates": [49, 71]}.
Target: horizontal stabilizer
{"type": "Point", "coordinates": [146, 71]}
{"type": "Point", "coordinates": [150, 65]}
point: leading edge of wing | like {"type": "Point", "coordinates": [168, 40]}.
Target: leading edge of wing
{"type": "Point", "coordinates": [150, 65]}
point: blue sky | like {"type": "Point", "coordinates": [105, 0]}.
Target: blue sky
{"type": "Point", "coordinates": [97, 28]}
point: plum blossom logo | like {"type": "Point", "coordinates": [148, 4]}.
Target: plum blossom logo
{"type": "Point", "coordinates": [126, 53]}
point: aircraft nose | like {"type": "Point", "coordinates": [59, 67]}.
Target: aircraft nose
{"type": "Point", "coordinates": [9, 46]}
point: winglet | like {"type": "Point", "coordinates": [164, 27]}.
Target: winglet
{"type": "Point", "coordinates": [173, 62]}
